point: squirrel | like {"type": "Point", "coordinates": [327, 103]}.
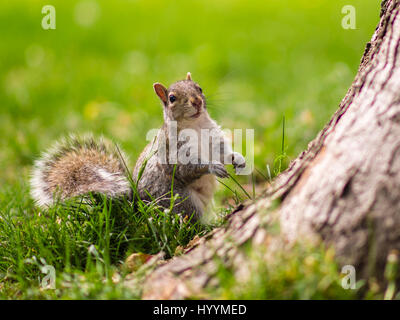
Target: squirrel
{"type": "Point", "coordinates": [174, 160]}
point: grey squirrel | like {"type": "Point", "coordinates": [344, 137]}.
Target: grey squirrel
{"type": "Point", "coordinates": [76, 166]}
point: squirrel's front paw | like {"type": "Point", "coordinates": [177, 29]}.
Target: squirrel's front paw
{"type": "Point", "coordinates": [218, 169]}
{"type": "Point", "coordinates": [238, 161]}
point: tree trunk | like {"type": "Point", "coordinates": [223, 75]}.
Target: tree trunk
{"type": "Point", "coordinates": [344, 189]}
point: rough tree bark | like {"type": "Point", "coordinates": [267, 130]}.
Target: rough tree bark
{"type": "Point", "coordinates": [344, 189]}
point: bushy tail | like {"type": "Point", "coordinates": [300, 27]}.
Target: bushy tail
{"type": "Point", "coordinates": [76, 166]}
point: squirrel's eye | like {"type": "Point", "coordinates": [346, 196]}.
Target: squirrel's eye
{"type": "Point", "coordinates": [201, 91]}
{"type": "Point", "coordinates": [172, 98]}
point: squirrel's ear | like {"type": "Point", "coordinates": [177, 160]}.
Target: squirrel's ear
{"type": "Point", "coordinates": [188, 76]}
{"type": "Point", "coordinates": [161, 91]}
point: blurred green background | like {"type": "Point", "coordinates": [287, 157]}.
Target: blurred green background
{"type": "Point", "coordinates": [256, 61]}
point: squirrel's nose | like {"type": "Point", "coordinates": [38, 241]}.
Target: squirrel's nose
{"type": "Point", "coordinates": [196, 102]}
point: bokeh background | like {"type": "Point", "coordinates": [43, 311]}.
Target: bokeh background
{"type": "Point", "coordinates": [256, 61]}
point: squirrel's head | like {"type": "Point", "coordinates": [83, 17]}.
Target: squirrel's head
{"type": "Point", "coordinates": [183, 100]}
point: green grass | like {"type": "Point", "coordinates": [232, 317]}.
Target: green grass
{"type": "Point", "coordinates": [257, 62]}
{"type": "Point", "coordinates": [89, 238]}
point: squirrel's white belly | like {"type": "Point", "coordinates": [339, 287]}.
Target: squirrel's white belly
{"type": "Point", "coordinates": [202, 191]}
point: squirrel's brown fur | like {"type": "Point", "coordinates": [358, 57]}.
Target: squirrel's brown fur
{"type": "Point", "coordinates": [75, 167]}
